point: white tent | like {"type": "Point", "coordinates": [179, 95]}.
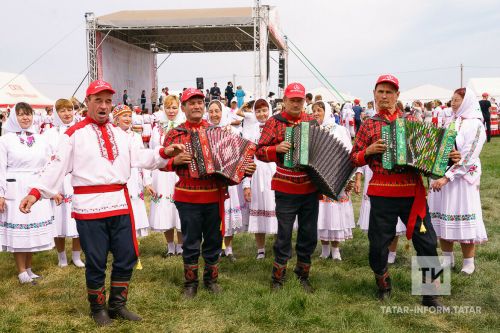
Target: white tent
{"type": "Point", "coordinates": [329, 95]}
{"type": "Point", "coordinates": [425, 93]}
{"type": "Point", "coordinates": [20, 90]}
{"type": "Point", "coordinates": [489, 85]}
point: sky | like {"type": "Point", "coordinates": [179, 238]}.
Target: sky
{"type": "Point", "coordinates": [351, 42]}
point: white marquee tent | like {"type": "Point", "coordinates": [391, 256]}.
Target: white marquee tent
{"type": "Point", "coordinates": [329, 95]}
{"type": "Point", "coordinates": [425, 93]}
{"type": "Point", "coordinates": [489, 85]}
{"type": "Point", "coordinates": [20, 90]}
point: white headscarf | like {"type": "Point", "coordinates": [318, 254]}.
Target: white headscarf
{"type": "Point", "coordinates": [470, 108]}
{"type": "Point", "coordinates": [58, 121]}
{"type": "Point", "coordinates": [254, 132]}
{"type": "Point", "coordinates": [224, 118]}
{"type": "Point", "coordinates": [329, 119]}
{"type": "Point", "coordinates": [12, 125]}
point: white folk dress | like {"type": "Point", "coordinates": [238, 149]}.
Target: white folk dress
{"type": "Point", "coordinates": [22, 159]}
{"type": "Point", "coordinates": [65, 224]}
{"type": "Point", "coordinates": [336, 218]}
{"type": "Point", "coordinates": [456, 212]}
{"type": "Point", "coordinates": [147, 127]}
{"type": "Point", "coordinates": [163, 214]}
{"type": "Point", "coordinates": [364, 212]}
{"type": "Point", "coordinates": [139, 178]}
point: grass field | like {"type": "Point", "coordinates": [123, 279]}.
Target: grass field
{"type": "Point", "coordinates": [345, 297]}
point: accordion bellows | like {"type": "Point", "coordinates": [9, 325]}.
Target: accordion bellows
{"type": "Point", "coordinates": [216, 151]}
{"type": "Point", "coordinates": [419, 146]}
{"type": "Point", "coordinates": [321, 155]}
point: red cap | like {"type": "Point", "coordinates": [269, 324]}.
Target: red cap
{"type": "Point", "coordinates": [190, 92]}
{"type": "Point", "coordinates": [388, 79]}
{"type": "Point", "coordinates": [138, 110]}
{"type": "Point", "coordinates": [485, 95]}
{"type": "Point", "coordinates": [356, 101]}
{"type": "Point", "coordinates": [295, 90]}
{"type": "Point", "coordinates": [98, 86]}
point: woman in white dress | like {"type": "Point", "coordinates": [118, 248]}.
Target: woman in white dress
{"type": "Point", "coordinates": [139, 178]}
{"type": "Point", "coordinates": [348, 118]}
{"type": "Point", "coordinates": [335, 218]}
{"type": "Point", "coordinates": [23, 155]}
{"type": "Point", "coordinates": [146, 127]}
{"type": "Point", "coordinates": [364, 212]}
{"type": "Point", "coordinates": [454, 203]}
{"type": "Point", "coordinates": [163, 215]}
{"type": "Point", "coordinates": [236, 208]}
{"type": "Point", "coordinates": [65, 224]}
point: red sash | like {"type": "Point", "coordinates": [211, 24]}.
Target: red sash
{"type": "Point", "coordinates": [107, 189]}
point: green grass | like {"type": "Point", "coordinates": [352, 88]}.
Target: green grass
{"type": "Point", "coordinates": [344, 298]}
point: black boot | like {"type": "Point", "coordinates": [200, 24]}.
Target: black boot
{"type": "Point", "coordinates": [433, 301]}
{"type": "Point", "coordinates": [279, 275]}
{"type": "Point", "coordinates": [97, 300]}
{"type": "Point", "coordinates": [191, 282]}
{"type": "Point", "coordinates": [302, 272]}
{"type": "Point", "coordinates": [384, 285]}
{"type": "Point", "coordinates": [210, 276]}
{"type": "Point", "coordinates": [118, 299]}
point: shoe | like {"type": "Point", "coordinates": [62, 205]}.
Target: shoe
{"type": "Point", "coordinates": [72, 262]}
{"type": "Point", "coordinates": [433, 301]}
{"type": "Point", "coordinates": [210, 276]}
{"type": "Point", "coordinates": [339, 258]}
{"type": "Point", "coordinates": [97, 300]}
{"type": "Point", "coordinates": [384, 295]}
{"type": "Point", "coordinates": [168, 255]}
{"type": "Point", "coordinates": [222, 254]}
{"type": "Point", "coordinates": [261, 254]}
{"type": "Point", "coordinates": [118, 296]}
{"type": "Point", "coordinates": [329, 256]}
{"type": "Point", "coordinates": [384, 285]}
{"type": "Point", "coordinates": [466, 273]}
{"type": "Point", "coordinates": [277, 287]}
{"type": "Point", "coordinates": [279, 273]}
{"type": "Point", "coordinates": [191, 279]}
{"type": "Point", "coordinates": [305, 286]}
{"type": "Point", "coordinates": [189, 293]}
{"type": "Point", "coordinates": [232, 257]}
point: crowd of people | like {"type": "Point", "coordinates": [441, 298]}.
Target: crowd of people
{"type": "Point", "coordinates": [82, 174]}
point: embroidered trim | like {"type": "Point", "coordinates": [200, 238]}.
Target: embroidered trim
{"type": "Point", "coordinates": [445, 217]}
{"type": "Point", "coordinates": [96, 210]}
{"type": "Point", "coordinates": [67, 198]}
{"type": "Point", "coordinates": [262, 212]}
{"type": "Point", "coordinates": [237, 209]}
{"type": "Point", "coordinates": [366, 197]}
{"type": "Point", "coordinates": [30, 141]}
{"type": "Point", "coordinates": [102, 142]}
{"type": "Point", "coordinates": [471, 151]}
{"type": "Point", "coordinates": [21, 226]}
{"type": "Point", "coordinates": [344, 198]}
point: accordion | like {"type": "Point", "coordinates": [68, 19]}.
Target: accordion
{"type": "Point", "coordinates": [321, 155]}
{"type": "Point", "coordinates": [419, 146]}
{"type": "Point", "coordinates": [216, 151]}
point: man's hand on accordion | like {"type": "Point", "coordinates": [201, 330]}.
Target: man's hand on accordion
{"type": "Point", "coordinates": [174, 149]}
{"type": "Point", "coordinates": [182, 158]}
{"type": "Point", "coordinates": [378, 147]}
{"type": "Point", "coordinates": [250, 169]}
{"type": "Point", "coordinates": [455, 156]}
{"type": "Point", "coordinates": [283, 147]}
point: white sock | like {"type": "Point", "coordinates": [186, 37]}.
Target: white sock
{"type": "Point", "coordinates": [24, 277]}
{"type": "Point", "coordinates": [228, 250]}
{"type": "Point", "coordinates": [179, 248]}
{"type": "Point", "coordinates": [392, 257]}
{"type": "Point", "coordinates": [261, 253]}
{"type": "Point", "coordinates": [325, 251]}
{"type": "Point", "coordinates": [34, 276]}
{"type": "Point", "coordinates": [171, 247]}
{"type": "Point", "coordinates": [468, 265]}
{"type": "Point", "coordinates": [448, 259]}
{"type": "Point", "coordinates": [336, 253]}
{"type": "Point", "coordinates": [63, 261]}
{"type": "Point", "coordinates": [77, 260]}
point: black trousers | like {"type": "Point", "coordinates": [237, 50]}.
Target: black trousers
{"type": "Point", "coordinates": [384, 213]}
{"type": "Point", "coordinates": [98, 237]}
{"type": "Point", "coordinates": [200, 222]}
{"type": "Point", "coordinates": [288, 207]}
{"type": "Point", "coordinates": [487, 123]}
{"type": "Point", "coordinates": [153, 105]}
{"type": "Point", "coordinates": [143, 106]}
{"type": "Point", "coordinates": [357, 124]}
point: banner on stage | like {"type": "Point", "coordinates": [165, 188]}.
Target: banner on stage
{"type": "Point", "coordinates": [125, 67]}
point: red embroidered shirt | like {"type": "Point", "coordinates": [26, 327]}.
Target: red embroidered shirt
{"type": "Point", "coordinates": [384, 182]}
{"type": "Point", "coordinates": [189, 189]}
{"type": "Point", "coordinates": [284, 180]}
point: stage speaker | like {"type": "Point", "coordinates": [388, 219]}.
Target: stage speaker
{"type": "Point", "coordinates": [199, 83]}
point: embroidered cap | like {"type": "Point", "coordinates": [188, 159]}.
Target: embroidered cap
{"type": "Point", "coordinates": [295, 90]}
{"type": "Point", "coordinates": [98, 86]}
{"type": "Point", "coordinates": [190, 92]}
{"type": "Point", "coordinates": [120, 109]}
{"type": "Point", "coordinates": [388, 79]}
